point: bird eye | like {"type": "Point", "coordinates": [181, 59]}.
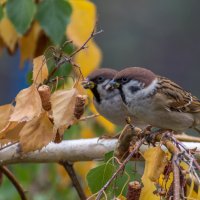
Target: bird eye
{"type": "Point", "coordinates": [124, 80]}
{"type": "Point", "coordinates": [100, 79]}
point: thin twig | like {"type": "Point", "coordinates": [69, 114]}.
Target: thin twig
{"type": "Point", "coordinates": [88, 117]}
{"type": "Point", "coordinates": [187, 152]}
{"type": "Point", "coordinates": [65, 58]}
{"type": "Point", "coordinates": [14, 181]}
{"type": "Point", "coordinates": [121, 167]}
{"type": "Point", "coordinates": [187, 138]}
{"type": "Point", "coordinates": [84, 44]}
{"type": "Point", "coordinates": [176, 178]}
{"type": "Point", "coordinates": [72, 174]}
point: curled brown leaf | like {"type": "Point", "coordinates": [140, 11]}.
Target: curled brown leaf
{"type": "Point", "coordinates": [36, 133]}
{"type": "Point", "coordinates": [28, 105]}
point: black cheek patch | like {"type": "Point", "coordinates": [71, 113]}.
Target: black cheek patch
{"type": "Point", "coordinates": [133, 89]}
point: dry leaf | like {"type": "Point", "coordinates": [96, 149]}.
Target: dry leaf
{"type": "Point", "coordinates": [40, 70]}
{"type": "Point", "coordinates": [11, 131]}
{"type": "Point", "coordinates": [36, 134]}
{"type": "Point", "coordinates": [4, 142]}
{"type": "Point", "coordinates": [63, 103]}
{"type": "Point", "coordinates": [28, 105]}
{"type": "Point", "coordinates": [5, 112]}
{"type": "Point", "coordinates": [8, 34]}
{"type": "Point", "coordinates": [28, 43]}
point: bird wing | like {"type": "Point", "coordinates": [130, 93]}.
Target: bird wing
{"type": "Point", "coordinates": [176, 98]}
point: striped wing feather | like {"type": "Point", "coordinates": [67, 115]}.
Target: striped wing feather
{"type": "Point", "coordinates": [177, 99]}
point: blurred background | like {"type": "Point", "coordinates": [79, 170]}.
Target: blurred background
{"type": "Point", "coordinates": [163, 36]}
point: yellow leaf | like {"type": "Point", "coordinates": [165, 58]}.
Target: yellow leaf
{"type": "Point", "coordinates": [2, 2]}
{"type": "Point", "coordinates": [28, 105]}
{"type": "Point", "coordinates": [36, 133]}
{"type": "Point", "coordinates": [87, 132]}
{"type": "Point", "coordinates": [65, 180]}
{"type": "Point", "coordinates": [192, 186]}
{"type": "Point", "coordinates": [82, 21]}
{"type": "Point", "coordinates": [121, 197]}
{"type": "Point", "coordinates": [89, 58]}
{"type": "Point", "coordinates": [63, 103]}
{"type": "Point", "coordinates": [82, 169]}
{"type": "Point", "coordinates": [28, 43]}
{"type": "Point", "coordinates": [155, 161]}
{"type": "Point", "coordinates": [8, 33]}
{"type": "Point", "coordinates": [147, 190]}
{"type": "Point", "coordinates": [5, 112]}
{"type": "Point", "coordinates": [40, 70]}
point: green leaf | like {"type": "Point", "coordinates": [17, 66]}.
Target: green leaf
{"type": "Point", "coordinates": [108, 156]}
{"type": "Point", "coordinates": [29, 77]}
{"type": "Point", "coordinates": [21, 13]}
{"type": "Point", "coordinates": [1, 12]}
{"type": "Point", "coordinates": [53, 16]}
{"type": "Point", "coordinates": [98, 176]}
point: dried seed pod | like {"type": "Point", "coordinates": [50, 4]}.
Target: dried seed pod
{"type": "Point", "coordinates": [134, 190]}
{"type": "Point", "coordinates": [79, 106]}
{"type": "Point", "coordinates": [45, 94]}
{"type": "Point", "coordinates": [58, 138]}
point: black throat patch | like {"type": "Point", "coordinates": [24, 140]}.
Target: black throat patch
{"type": "Point", "coordinates": [96, 94]}
{"type": "Point", "coordinates": [122, 95]}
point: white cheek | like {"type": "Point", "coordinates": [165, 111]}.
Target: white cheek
{"type": "Point", "coordinates": [101, 87]}
{"type": "Point", "coordinates": [103, 92]}
{"type": "Point", "coordinates": [140, 93]}
{"type": "Point", "coordinates": [150, 89]}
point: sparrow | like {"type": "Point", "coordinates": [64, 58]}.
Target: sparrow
{"type": "Point", "coordinates": [108, 102]}
{"type": "Point", "coordinates": [157, 100]}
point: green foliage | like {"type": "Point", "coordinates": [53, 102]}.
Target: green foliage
{"type": "Point", "coordinates": [1, 12]}
{"type": "Point", "coordinates": [98, 176]}
{"type": "Point", "coordinates": [53, 16]}
{"type": "Point", "coordinates": [21, 13]}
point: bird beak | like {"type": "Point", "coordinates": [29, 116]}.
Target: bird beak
{"type": "Point", "coordinates": [112, 85]}
{"type": "Point", "coordinates": [88, 84]}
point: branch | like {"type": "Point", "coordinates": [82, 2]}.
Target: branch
{"type": "Point", "coordinates": [176, 177]}
{"type": "Point", "coordinates": [72, 174]}
{"type": "Point", "coordinates": [14, 181]}
{"type": "Point", "coordinates": [69, 150]}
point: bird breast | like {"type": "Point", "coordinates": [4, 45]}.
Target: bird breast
{"type": "Point", "coordinates": [113, 109]}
